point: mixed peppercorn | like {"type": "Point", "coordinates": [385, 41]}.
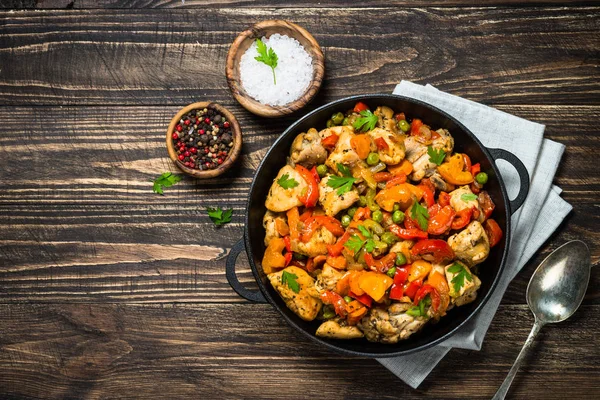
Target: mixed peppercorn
{"type": "Point", "coordinates": [202, 139]}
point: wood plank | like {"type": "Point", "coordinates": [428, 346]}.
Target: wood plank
{"type": "Point", "coordinates": [479, 53]}
{"type": "Point", "coordinates": [234, 351]}
{"type": "Point", "coordinates": [81, 224]}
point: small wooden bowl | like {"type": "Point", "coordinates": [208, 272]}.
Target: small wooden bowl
{"type": "Point", "coordinates": [245, 40]}
{"type": "Point", "coordinates": [231, 157]}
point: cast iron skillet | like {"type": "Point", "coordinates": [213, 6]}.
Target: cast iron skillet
{"type": "Point", "coordinates": [465, 142]}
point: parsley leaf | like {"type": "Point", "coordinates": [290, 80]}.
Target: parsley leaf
{"type": "Point", "coordinates": [343, 184]}
{"type": "Point", "coordinates": [289, 279]}
{"type": "Point", "coordinates": [365, 232]}
{"type": "Point", "coordinates": [266, 57]}
{"type": "Point", "coordinates": [468, 197]}
{"type": "Point", "coordinates": [420, 310]}
{"type": "Point", "coordinates": [286, 182]}
{"type": "Point", "coordinates": [436, 156]}
{"type": "Point", "coordinates": [355, 243]}
{"type": "Point", "coordinates": [165, 180]}
{"type": "Point", "coordinates": [420, 214]}
{"type": "Point", "coordinates": [366, 122]}
{"type": "Point", "coordinates": [458, 281]}
{"type": "Point", "coordinates": [218, 216]}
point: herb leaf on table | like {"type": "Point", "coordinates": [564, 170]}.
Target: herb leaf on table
{"type": "Point", "coordinates": [165, 180]}
{"type": "Point", "coordinates": [218, 216]}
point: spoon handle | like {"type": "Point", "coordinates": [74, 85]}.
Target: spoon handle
{"type": "Point", "coordinates": [503, 389]}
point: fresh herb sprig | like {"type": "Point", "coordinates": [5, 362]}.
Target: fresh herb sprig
{"type": "Point", "coordinates": [468, 197]}
{"type": "Point", "coordinates": [420, 310]}
{"type": "Point", "coordinates": [436, 156]}
{"type": "Point", "coordinates": [462, 275]}
{"type": "Point", "coordinates": [218, 216]}
{"type": "Point", "coordinates": [366, 122]}
{"type": "Point", "coordinates": [420, 214]}
{"type": "Point", "coordinates": [267, 57]}
{"type": "Point", "coordinates": [286, 182]}
{"type": "Point", "coordinates": [289, 279]}
{"type": "Point", "coordinates": [344, 183]}
{"type": "Point", "coordinates": [355, 243]}
{"type": "Point", "coordinates": [165, 180]}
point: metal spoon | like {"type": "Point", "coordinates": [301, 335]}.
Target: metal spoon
{"type": "Point", "coordinates": [554, 293]}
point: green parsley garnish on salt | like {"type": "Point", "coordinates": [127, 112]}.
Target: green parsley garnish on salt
{"type": "Point", "coordinates": [293, 69]}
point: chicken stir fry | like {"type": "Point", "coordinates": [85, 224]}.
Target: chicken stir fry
{"type": "Point", "coordinates": [376, 227]}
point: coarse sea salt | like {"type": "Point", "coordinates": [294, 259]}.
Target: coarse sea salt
{"type": "Point", "coordinates": [293, 73]}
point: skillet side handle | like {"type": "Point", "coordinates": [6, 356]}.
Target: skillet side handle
{"type": "Point", "coordinates": [254, 296]}
{"type": "Point", "coordinates": [501, 154]}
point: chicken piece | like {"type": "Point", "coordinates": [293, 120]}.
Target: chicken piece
{"type": "Point", "coordinates": [403, 246]}
{"type": "Point", "coordinates": [395, 151]}
{"type": "Point", "coordinates": [343, 152]}
{"type": "Point", "coordinates": [386, 119]}
{"type": "Point", "coordinates": [305, 303]}
{"type": "Point", "coordinates": [316, 245]}
{"type": "Point", "coordinates": [307, 150]}
{"type": "Point", "coordinates": [391, 325]}
{"type": "Point", "coordinates": [269, 223]}
{"type": "Point", "coordinates": [332, 202]}
{"type": "Point", "coordinates": [328, 278]}
{"type": "Point", "coordinates": [470, 284]}
{"type": "Point", "coordinates": [416, 153]}
{"type": "Point", "coordinates": [458, 203]}
{"type": "Point", "coordinates": [471, 245]}
{"type": "Point", "coordinates": [280, 199]}
{"type": "Point", "coordinates": [333, 329]}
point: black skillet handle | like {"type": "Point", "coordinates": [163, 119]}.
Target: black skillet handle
{"type": "Point", "coordinates": [501, 154]}
{"type": "Point", "coordinates": [255, 296]}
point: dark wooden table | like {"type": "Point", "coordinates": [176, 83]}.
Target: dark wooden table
{"type": "Point", "coordinates": [108, 290]}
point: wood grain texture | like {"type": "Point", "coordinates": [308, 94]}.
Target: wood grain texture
{"type": "Point", "coordinates": [80, 222]}
{"type": "Point", "coordinates": [529, 56]}
{"type": "Point", "coordinates": [247, 351]}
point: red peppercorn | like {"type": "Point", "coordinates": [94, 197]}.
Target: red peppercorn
{"type": "Point", "coordinates": [175, 136]}
{"type": "Point", "coordinates": [187, 122]}
{"type": "Point", "coordinates": [220, 161]}
{"type": "Point", "coordinates": [182, 149]}
{"type": "Point", "coordinates": [179, 144]}
{"type": "Point", "coordinates": [201, 132]}
{"type": "Point", "coordinates": [226, 124]}
{"type": "Point", "coordinates": [181, 157]}
{"type": "Point", "coordinates": [192, 165]}
{"type": "Point", "coordinates": [179, 128]}
{"type": "Point", "coordinates": [187, 164]}
{"type": "Point", "coordinates": [207, 120]}
{"type": "Point", "coordinates": [197, 121]}
{"type": "Point", "coordinates": [187, 154]}
{"type": "Point", "coordinates": [206, 150]}
{"type": "Point", "coordinates": [193, 150]}
{"type": "Point", "coordinates": [208, 164]}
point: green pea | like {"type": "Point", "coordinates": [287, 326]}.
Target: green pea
{"type": "Point", "coordinates": [362, 201]}
{"type": "Point", "coordinates": [481, 178]}
{"type": "Point", "coordinates": [328, 314]}
{"type": "Point", "coordinates": [346, 219]}
{"type": "Point", "coordinates": [400, 259]}
{"type": "Point", "coordinates": [372, 158]}
{"type": "Point", "coordinates": [337, 118]}
{"type": "Point", "coordinates": [348, 299]}
{"type": "Point", "coordinates": [377, 216]}
{"type": "Point", "coordinates": [389, 238]}
{"type": "Point", "coordinates": [396, 207]}
{"type": "Point", "coordinates": [391, 272]}
{"type": "Point", "coordinates": [352, 211]}
{"type": "Point", "coordinates": [346, 122]}
{"type": "Point", "coordinates": [322, 170]}
{"type": "Point", "coordinates": [398, 216]}
{"type": "Point", "coordinates": [403, 125]}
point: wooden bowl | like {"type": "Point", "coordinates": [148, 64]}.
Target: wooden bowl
{"type": "Point", "coordinates": [231, 157]}
{"type": "Point", "coordinates": [243, 42]}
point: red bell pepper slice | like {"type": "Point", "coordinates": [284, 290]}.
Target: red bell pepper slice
{"type": "Point", "coordinates": [362, 213]}
{"type": "Point", "coordinates": [415, 125]}
{"type": "Point", "coordinates": [467, 161]}
{"type": "Point", "coordinates": [433, 294]}
{"type": "Point", "coordinates": [315, 174]}
{"type": "Point", "coordinates": [313, 223]}
{"type": "Point", "coordinates": [335, 250]}
{"type": "Point", "coordinates": [338, 302]}
{"type": "Point", "coordinates": [486, 203]}
{"type": "Point", "coordinates": [441, 221]}
{"type": "Point", "coordinates": [407, 234]}
{"type": "Point", "coordinates": [381, 265]}
{"type": "Point", "coordinates": [412, 288]}
{"type": "Point", "coordinates": [428, 194]}
{"type": "Point", "coordinates": [435, 250]}
{"type": "Point", "coordinates": [360, 106]}
{"type": "Point", "coordinates": [288, 243]}
{"type": "Point", "coordinates": [330, 141]}
{"type": "Point", "coordinates": [306, 215]}
{"type": "Point", "coordinates": [288, 258]}
{"type": "Point", "coordinates": [310, 265]}
{"type": "Point", "coordinates": [312, 194]}
{"type": "Point", "coordinates": [462, 218]}
{"type": "Point", "coordinates": [475, 169]}
{"type": "Point", "coordinates": [381, 144]}
{"type": "Point", "coordinates": [382, 176]}
{"type": "Point", "coordinates": [444, 199]}
{"type": "Point", "coordinates": [396, 180]}
{"type": "Point", "coordinates": [400, 116]}
{"type": "Point", "coordinates": [363, 298]}
{"type": "Point", "coordinates": [400, 278]}
{"type": "Point", "coordinates": [493, 231]}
